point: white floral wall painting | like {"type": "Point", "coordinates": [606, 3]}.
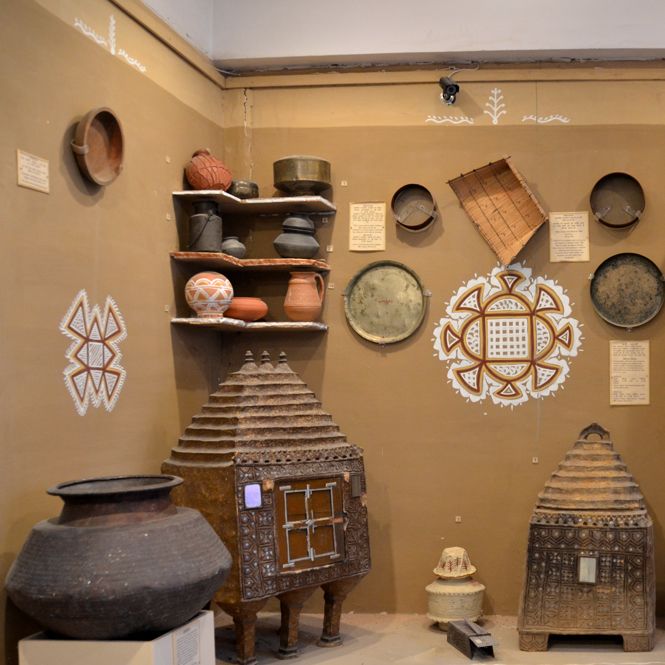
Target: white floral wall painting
{"type": "Point", "coordinates": [546, 119]}
{"type": "Point", "coordinates": [495, 108]}
{"type": "Point", "coordinates": [94, 375]}
{"type": "Point", "coordinates": [109, 41]}
{"type": "Point", "coordinates": [452, 119]}
{"type": "Point", "coordinates": [508, 337]}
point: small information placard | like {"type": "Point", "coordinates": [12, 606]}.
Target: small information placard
{"type": "Point", "coordinates": [32, 171]}
{"type": "Point", "coordinates": [629, 372]}
{"type": "Point", "coordinates": [187, 645]}
{"type": "Point", "coordinates": [367, 227]}
{"type": "Point", "coordinates": [569, 236]}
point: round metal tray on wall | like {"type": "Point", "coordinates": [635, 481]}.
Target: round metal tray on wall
{"type": "Point", "coordinates": [413, 208]}
{"type": "Point", "coordinates": [617, 200]}
{"type": "Point", "coordinates": [627, 290]}
{"type": "Point", "coordinates": [385, 302]}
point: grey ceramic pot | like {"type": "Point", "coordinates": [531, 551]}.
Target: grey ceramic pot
{"type": "Point", "coordinates": [120, 559]}
{"type": "Point", "coordinates": [297, 240]}
{"type": "Point", "coordinates": [232, 246]}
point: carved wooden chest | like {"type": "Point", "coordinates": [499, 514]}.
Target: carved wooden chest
{"type": "Point", "coordinates": [284, 490]}
{"type": "Point", "coordinates": [590, 560]}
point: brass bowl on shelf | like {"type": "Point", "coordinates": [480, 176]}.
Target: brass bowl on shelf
{"type": "Point", "coordinates": [300, 175]}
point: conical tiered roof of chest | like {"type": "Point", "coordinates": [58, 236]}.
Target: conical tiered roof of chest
{"type": "Point", "coordinates": [261, 407]}
{"type": "Point", "coordinates": [592, 476]}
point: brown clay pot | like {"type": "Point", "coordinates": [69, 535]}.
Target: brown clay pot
{"type": "Point", "coordinates": [304, 297]}
{"type": "Point", "coordinates": [247, 309]}
{"type": "Point", "coordinates": [120, 559]}
{"type": "Point", "coordinates": [203, 171]}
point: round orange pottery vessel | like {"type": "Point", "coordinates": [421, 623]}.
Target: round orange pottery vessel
{"type": "Point", "coordinates": [247, 309]}
{"type": "Point", "coordinates": [304, 297]}
{"type": "Point", "coordinates": [203, 171]}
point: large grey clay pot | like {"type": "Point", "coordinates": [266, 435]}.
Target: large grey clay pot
{"type": "Point", "coordinates": [120, 559]}
{"type": "Point", "coordinates": [297, 240]}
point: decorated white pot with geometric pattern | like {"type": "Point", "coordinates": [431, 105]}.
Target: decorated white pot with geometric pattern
{"type": "Point", "coordinates": [209, 294]}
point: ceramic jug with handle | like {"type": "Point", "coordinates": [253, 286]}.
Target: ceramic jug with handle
{"type": "Point", "coordinates": [304, 297]}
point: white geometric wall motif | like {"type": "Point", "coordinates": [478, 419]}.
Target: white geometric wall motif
{"type": "Point", "coordinates": [508, 336]}
{"type": "Point", "coordinates": [94, 375]}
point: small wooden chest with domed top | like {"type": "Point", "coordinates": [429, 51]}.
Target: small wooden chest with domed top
{"type": "Point", "coordinates": [285, 491]}
{"type": "Point", "coordinates": [590, 559]}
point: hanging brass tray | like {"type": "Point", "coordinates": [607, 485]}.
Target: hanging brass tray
{"type": "Point", "coordinates": [627, 290]}
{"type": "Point", "coordinates": [385, 302]}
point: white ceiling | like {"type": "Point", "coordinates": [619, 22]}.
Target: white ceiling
{"type": "Point", "coordinates": [258, 34]}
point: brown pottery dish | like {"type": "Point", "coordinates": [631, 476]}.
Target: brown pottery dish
{"type": "Point", "coordinates": [98, 146]}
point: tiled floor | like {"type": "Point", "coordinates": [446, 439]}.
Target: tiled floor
{"type": "Point", "coordinates": [410, 639]}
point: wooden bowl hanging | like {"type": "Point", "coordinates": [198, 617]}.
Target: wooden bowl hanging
{"type": "Point", "coordinates": [98, 146]}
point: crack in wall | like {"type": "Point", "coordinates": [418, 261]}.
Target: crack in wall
{"type": "Point", "coordinates": [247, 131]}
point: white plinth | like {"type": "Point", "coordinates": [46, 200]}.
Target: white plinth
{"type": "Point", "coordinates": [191, 644]}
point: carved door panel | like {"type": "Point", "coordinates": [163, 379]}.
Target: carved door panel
{"type": "Point", "coordinates": [310, 523]}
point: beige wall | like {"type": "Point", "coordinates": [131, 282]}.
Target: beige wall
{"type": "Point", "coordinates": [113, 241]}
{"type": "Point", "coordinates": [430, 455]}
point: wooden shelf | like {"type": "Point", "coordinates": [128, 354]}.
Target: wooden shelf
{"type": "Point", "coordinates": [224, 323]}
{"type": "Point", "coordinates": [280, 205]}
{"type": "Point", "coordinates": [227, 262]}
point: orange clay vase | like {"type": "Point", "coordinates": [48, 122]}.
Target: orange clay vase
{"type": "Point", "coordinates": [203, 171]}
{"type": "Point", "coordinates": [304, 297]}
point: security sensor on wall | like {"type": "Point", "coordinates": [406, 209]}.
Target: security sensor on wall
{"type": "Point", "coordinates": [449, 90]}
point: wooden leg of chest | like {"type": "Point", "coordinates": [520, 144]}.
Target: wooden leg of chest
{"type": "Point", "coordinates": [334, 594]}
{"type": "Point", "coordinates": [244, 619]}
{"type": "Point", "coordinates": [291, 604]}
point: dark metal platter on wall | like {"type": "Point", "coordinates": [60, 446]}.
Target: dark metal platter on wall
{"type": "Point", "coordinates": [385, 302]}
{"type": "Point", "coordinates": [627, 290]}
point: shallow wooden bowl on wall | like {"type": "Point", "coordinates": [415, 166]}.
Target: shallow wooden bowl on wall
{"type": "Point", "coordinates": [98, 146]}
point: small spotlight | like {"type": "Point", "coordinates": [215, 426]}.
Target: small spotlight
{"type": "Point", "coordinates": [449, 90]}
